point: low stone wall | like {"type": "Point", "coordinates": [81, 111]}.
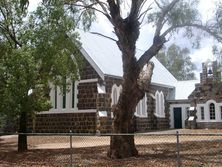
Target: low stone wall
{"type": "Point", "coordinates": [63, 123]}
{"type": "Point", "coordinates": [209, 125]}
{"type": "Point", "coordinates": [146, 124]}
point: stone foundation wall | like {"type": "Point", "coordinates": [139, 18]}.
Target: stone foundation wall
{"type": "Point", "coordinates": [152, 122]}
{"type": "Point", "coordinates": [142, 124]}
{"type": "Point", "coordinates": [105, 125]}
{"type": "Point", "coordinates": [63, 123]}
{"type": "Point", "coordinates": [209, 125]}
{"type": "Point", "coordinates": [161, 123]}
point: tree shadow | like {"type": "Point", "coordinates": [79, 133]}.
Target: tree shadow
{"type": "Point", "coordinates": [191, 154]}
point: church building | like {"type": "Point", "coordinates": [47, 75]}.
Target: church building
{"type": "Point", "coordinates": [86, 108]}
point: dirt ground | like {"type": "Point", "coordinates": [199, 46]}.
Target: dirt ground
{"type": "Point", "coordinates": [158, 149]}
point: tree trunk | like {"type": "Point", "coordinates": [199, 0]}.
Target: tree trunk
{"type": "Point", "coordinates": [123, 146]}
{"type": "Point", "coordinates": [127, 31]}
{"type": "Point", "coordinates": [22, 138]}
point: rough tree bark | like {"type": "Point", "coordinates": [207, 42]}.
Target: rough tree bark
{"type": "Point", "coordinates": [122, 146]}
{"type": "Point", "coordinates": [22, 138]}
{"type": "Point", "coordinates": [127, 31]}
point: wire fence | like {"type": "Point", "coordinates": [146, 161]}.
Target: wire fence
{"type": "Point", "coordinates": [155, 149]}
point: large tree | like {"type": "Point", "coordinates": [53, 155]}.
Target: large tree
{"type": "Point", "coordinates": [166, 18]}
{"type": "Point", "coordinates": [178, 62]}
{"type": "Point", "coordinates": [35, 49]}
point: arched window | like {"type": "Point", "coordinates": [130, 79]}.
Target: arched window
{"type": "Point", "coordinates": [55, 97]}
{"type": "Point", "coordinates": [160, 106]}
{"type": "Point", "coordinates": [157, 102]}
{"type": "Point", "coordinates": [116, 90]}
{"type": "Point", "coordinates": [138, 109]}
{"type": "Point", "coordinates": [212, 111]}
{"type": "Point", "coordinates": [144, 111]}
{"type": "Point", "coordinates": [114, 96]}
{"type": "Point", "coordinates": [141, 108]}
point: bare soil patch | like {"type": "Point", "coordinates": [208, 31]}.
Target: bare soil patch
{"type": "Point", "coordinates": [91, 151]}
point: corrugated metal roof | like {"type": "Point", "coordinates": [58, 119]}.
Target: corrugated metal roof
{"type": "Point", "coordinates": [184, 89]}
{"type": "Point", "coordinates": [106, 56]}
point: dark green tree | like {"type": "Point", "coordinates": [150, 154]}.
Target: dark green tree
{"type": "Point", "coordinates": [35, 49]}
{"type": "Point", "coordinates": [178, 62]}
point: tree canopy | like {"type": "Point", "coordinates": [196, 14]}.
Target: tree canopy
{"type": "Point", "coordinates": [36, 49]}
{"type": "Point", "coordinates": [178, 62]}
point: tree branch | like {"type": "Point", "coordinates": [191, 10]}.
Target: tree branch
{"type": "Point", "coordinates": [135, 8]}
{"type": "Point", "coordinates": [144, 13]}
{"type": "Point", "coordinates": [145, 77]}
{"type": "Point", "coordinates": [147, 55]}
{"type": "Point", "coordinates": [114, 12]}
{"type": "Point", "coordinates": [198, 26]}
{"type": "Point", "coordinates": [12, 35]}
{"type": "Point", "coordinates": [159, 6]}
{"type": "Point", "coordinates": [106, 13]}
{"type": "Point", "coordinates": [165, 11]}
{"type": "Point", "coordinates": [143, 3]}
{"type": "Point", "coordinates": [103, 36]}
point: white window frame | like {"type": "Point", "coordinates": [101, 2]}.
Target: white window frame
{"type": "Point", "coordinates": [114, 100]}
{"type": "Point", "coordinates": [202, 113]}
{"type": "Point", "coordinates": [141, 108]}
{"type": "Point", "coordinates": [69, 98]}
{"type": "Point", "coordinates": [206, 106]}
{"type": "Point", "coordinates": [118, 90]}
{"type": "Point", "coordinates": [221, 112]}
{"type": "Point", "coordinates": [212, 110]}
{"type": "Point", "coordinates": [160, 104]}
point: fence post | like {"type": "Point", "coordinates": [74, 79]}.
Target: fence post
{"type": "Point", "coordinates": [70, 148]}
{"type": "Point", "coordinates": [178, 149]}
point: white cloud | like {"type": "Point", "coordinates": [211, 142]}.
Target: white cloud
{"type": "Point", "coordinates": [206, 8]}
{"type": "Point", "coordinates": [33, 5]}
{"type": "Point", "coordinates": [202, 54]}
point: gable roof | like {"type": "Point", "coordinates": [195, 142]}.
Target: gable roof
{"type": "Point", "coordinates": [184, 89]}
{"type": "Point", "coordinates": [105, 56]}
